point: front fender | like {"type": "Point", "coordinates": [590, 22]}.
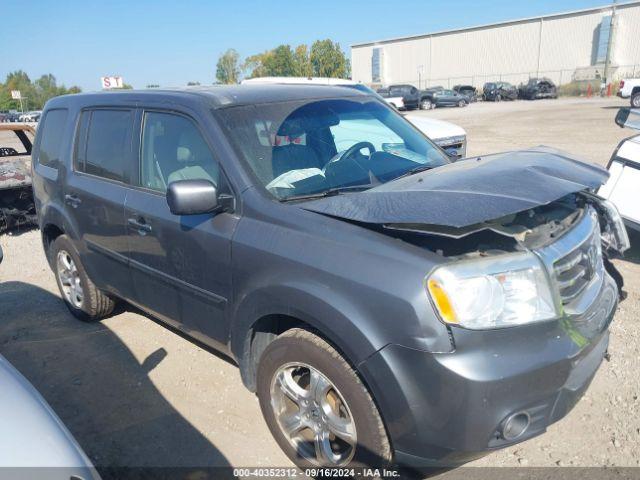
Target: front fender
{"type": "Point", "coordinates": [332, 314]}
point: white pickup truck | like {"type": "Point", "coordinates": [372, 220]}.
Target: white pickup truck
{"type": "Point", "coordinates": [630, 88]}
{"type": "Point", "coordinates": [624, 171]}
{"type": "Point", "coordinates": [451, 138]}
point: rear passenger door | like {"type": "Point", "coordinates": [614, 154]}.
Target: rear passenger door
{"type": "Point", "coordinates": [95, 194]}
{"type": "Point", "coordinates": [180, 265]}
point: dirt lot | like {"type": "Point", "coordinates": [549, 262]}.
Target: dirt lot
{"type": "Point", "coordinates": [136, 394]}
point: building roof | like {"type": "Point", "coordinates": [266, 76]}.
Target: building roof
{"type": "Point", "coordinates": [498, 24]}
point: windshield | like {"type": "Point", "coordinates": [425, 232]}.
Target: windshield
{"type": "Point", "coordinates": [315, 147]}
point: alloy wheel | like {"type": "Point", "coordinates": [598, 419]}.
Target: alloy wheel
{"type": "Point", "coordinates": [313, 416]}
{"type": "Point", "coordinates": [69, 279]}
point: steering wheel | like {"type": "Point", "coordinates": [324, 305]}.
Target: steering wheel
{"type": "Point", "coordinates": [356, 148]}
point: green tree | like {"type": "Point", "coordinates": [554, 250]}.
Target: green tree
{"type": "Point", "coordinates": [328, 60]}
{"type": "Point", "coordinates": [253, 66]}
{"type": "Point", "coordinates": [280, 62]}
{"type": "Point", "coordinates": [227, 68]}
{"type": "Point", "coordinates": [303, 67]}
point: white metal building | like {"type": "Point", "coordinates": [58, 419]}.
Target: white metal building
{"type": "Point", "coordinates": [564, 47]}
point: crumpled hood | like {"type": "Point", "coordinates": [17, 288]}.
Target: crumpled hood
{"type": "Point", "coordinates": [469, 191]}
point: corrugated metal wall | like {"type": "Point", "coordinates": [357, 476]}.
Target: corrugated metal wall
{"type": "Point", "coordinates": [550, 46]}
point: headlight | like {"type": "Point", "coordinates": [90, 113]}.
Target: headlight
{"type": "Point", "coordinates": [615, 234]}
{"type": "Point", "coordinates": [506, 290]}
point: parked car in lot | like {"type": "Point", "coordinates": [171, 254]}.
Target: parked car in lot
{"type": "Point", "coordinates": [16, 197]}
{"type": "Point", "coordinates": [378, 298]}
{"type": "Point", "coordinates": [32, 116]}
{"type": "Point", "coordinates": [34, 443]}
{"type": "Point", "coordinates": [624, 170]}
{"type": "Point", "coordinates": [448, 98]}
{"type": "Point", "coordinates": [497, 91]}
{"type": "Point", "coordinates": [396, 102]}
{"type": "Point", "coordinates": [468, 91]}
{"type": "Point", "coordinates": [630, 88]}
{"type": "Point", "coordinates": [11, 116]}
{"type": "Point", "coordinates": [451, 138]}
{"type": "Point", "coordinates": [410, 95]}
{"type": "Point", "coordinates": [537, 88]}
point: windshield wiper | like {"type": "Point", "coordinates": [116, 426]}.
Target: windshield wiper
{"type": "Point", "coordinates": [327, 193]}
{"type": "Point", "coordinates": [414, 170]}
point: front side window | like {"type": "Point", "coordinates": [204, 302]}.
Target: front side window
{"type": "Point", "coordinates": [312, 147]}
{"type": "Point", "coordinates": [52, 127]}
{"type": "Point", "coordinates": [104, 143]}
{"type": "Point", "coordinates": [173, 149]}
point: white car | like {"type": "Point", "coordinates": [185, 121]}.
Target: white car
{"type": "Point", "coordinates": [630, 88]}
{"type": "Point", "coordinates": [624, 169]}
{"type": "Point", "coordinates": [451, 138]}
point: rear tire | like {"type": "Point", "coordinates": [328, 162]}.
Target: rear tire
{"type": "Point", "coordinates": [83, 299]}
{"type": "Point", "coordinates": [462, 103]}
{"type": "Point", "coordinates": [635, 100]}
{"type": "Point", "coordinates": [307, 393]}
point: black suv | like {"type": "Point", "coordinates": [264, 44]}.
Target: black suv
{"type": "Point", "coordinates": [497, 91]}
{"type": "Point", "coordinates": [537, 88]}
{"type": "Point", "coordinates": [386, 305]}
{"type": "Point", "coordinates": [410, 95]}
{"type": "Point", "coordinates": [468, 91]}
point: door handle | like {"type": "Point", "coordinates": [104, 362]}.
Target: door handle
{"type": "Point", "coordinates": [72, 200]}
{"type": "Point", "coordinates": [140, 225]}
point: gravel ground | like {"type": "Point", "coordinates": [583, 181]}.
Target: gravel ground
{"type": "Point", "coordinates": [137, 394]}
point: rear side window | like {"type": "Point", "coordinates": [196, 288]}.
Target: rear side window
{"type": "Point", "coordinates": [52, 127]}
{"type": "Point", "coordinates": [104, 143]}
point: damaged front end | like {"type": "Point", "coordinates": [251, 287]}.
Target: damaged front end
{"type": "Point", "coordinates": [523, 230]}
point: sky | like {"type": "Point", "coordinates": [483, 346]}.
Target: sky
{"type": "Point", "coordinates": [172, 42]}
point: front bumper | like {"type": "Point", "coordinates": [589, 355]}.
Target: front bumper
{"type": "Point", "coordinates": [446, 409]}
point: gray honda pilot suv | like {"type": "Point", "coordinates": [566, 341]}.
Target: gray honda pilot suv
{"type": "Point", "coordinates": [386, 305]}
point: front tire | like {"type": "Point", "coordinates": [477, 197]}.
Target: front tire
{"type": "Point", "coordinates": [462, 103]}
{"type": "Point", "coordinates": [426, 104]}
{"type": "Point", "coordinates": [316, 406]}
{"type": "Point", "coordinates": [635, 100]}
{"type": "Point", "coordinates": [83, 299]}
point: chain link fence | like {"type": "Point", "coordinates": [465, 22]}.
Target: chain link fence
{"type": "Point", "coordinates": [573, 82]}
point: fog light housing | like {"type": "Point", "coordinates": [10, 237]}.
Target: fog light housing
{"type": "Point", "coordinates": [515, 425]}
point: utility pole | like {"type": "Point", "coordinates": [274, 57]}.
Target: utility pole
{"type": "Point", "coordinates": [607, 61]}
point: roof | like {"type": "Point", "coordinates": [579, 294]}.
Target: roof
{"type": "Point", "coordinates": [218, 96]}
{"type": "Point", "coordinates": [497, 24]}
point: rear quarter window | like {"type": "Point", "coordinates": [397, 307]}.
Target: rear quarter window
{"type": "Point", "coordinates": [52, 127]}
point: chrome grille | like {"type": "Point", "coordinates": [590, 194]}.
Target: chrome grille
{"type": "Point", "coordinates": [574, 271]}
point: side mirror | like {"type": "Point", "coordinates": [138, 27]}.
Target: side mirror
{"type": "Point", "coordinates": [192, 197]}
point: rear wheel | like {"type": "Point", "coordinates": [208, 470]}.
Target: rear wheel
{"type": "Point", "coordinates": [425, 104]}
{"type": "Point", "coordinates": [83, 299]}
{"type": "Point", "coordinates": [316, 407]}
{"type": "Point", "coordinates": [462, 103]}
{"type": "Point", "coordinates": [635, 100]}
